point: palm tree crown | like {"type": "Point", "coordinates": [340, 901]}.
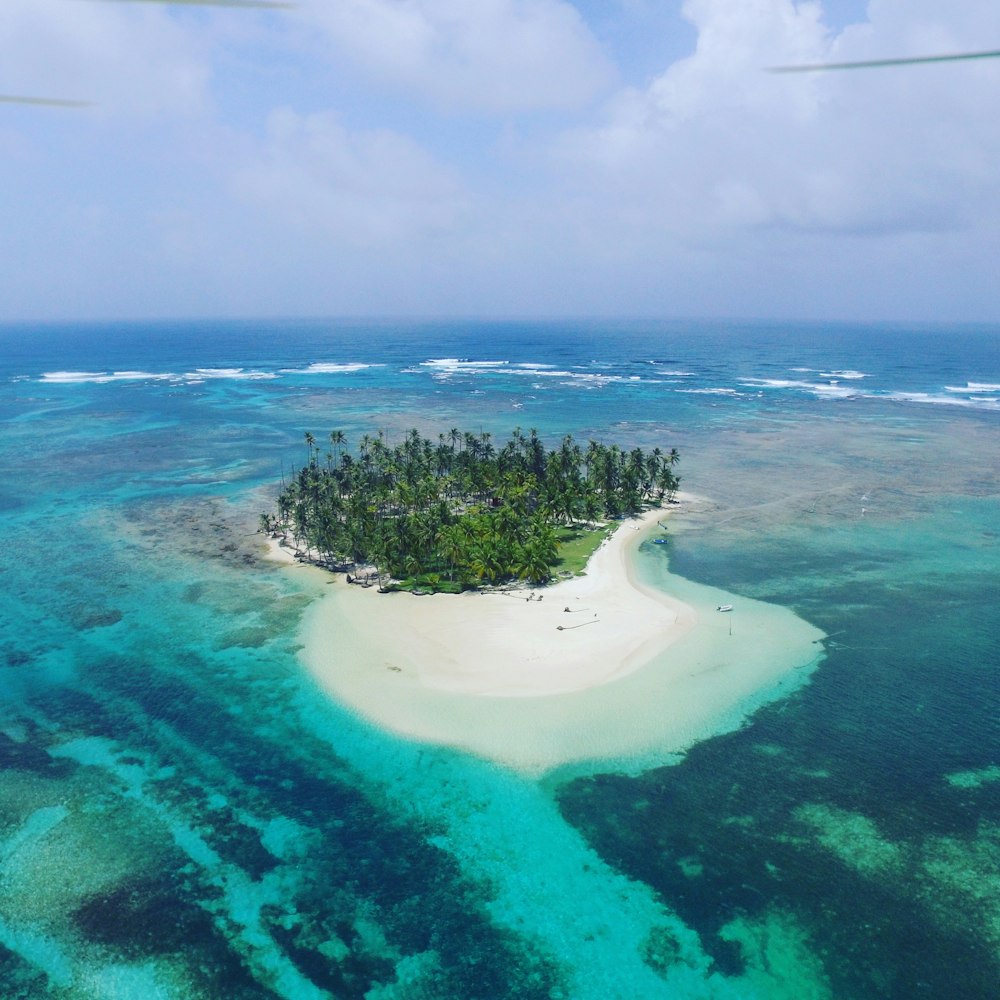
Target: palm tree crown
{"type": "Point", "coordinates": [463, 508]}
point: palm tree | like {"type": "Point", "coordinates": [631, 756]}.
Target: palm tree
{"type": "Point", "coordinates": [592, 507]}
{"type": "Point", "coordinates": [337, 439]}
{"type": "Point", "coordinates": [536, 453]}
{"type": "Point", "coordinates": [481, 511]}
{"type": "Point", "coordinates": [452, 543]}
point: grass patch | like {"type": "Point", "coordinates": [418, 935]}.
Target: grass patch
{"type": "Point", "coordinates": [428, 583]}
{"type": "Point", "coordinates": [577, 545]}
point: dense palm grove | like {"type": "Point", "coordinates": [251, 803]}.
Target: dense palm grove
{"type": "Point", "coordinates": [461, 510]}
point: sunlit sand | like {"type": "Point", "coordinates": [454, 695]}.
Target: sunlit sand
{"type": "Point", "coordinates": [599, 667]}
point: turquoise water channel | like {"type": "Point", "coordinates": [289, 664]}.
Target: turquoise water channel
{"type": "Point", "coordinates": [183, 814]}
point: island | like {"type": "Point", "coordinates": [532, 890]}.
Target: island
{"type": "Point", "coordinates": [615, 660]}
{"type": "Point", "coordinates": [462, 512]}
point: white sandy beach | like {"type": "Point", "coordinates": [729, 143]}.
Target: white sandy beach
{"type": "Point", "coordinates": [630, 669]}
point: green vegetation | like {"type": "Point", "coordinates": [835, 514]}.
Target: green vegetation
{"type": "Point", "coordinates": [463, 512]}
{"type": "Point", "coordinates": [577, 544]}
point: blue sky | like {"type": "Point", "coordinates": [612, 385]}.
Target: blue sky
{"type": "Point", "coordinates": [499, 158]}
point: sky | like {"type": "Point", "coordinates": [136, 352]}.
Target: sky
{"type": "Point", "coordinates": [499, 158]}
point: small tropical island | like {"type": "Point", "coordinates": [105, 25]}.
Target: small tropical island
{"type": "Point", "coordinates": [464, 512]}
{"type": "Point", "coordinates": [603, 664]}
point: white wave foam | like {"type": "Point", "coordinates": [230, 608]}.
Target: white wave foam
{"type": "Point", "coordinates": [817, 389]}
{"type": "Point", "coordinates": [711, 392]}
{"type": "Point", "coordinates": [597, 380]}
{"type": "Point", "coordinates": [538, 371]}
{"type": "Point", "coordinates": [555, 373]}
{"type": "Point", "coordinates": [230, 373]}
{"type": "Point", "coordinates": [190, 378]}
{"type": "Point", "coordinates": [329, 368]}
{"type": "Point", "coordinates": [975, 387]}
{"type": "Point", "coordinates": [776, 383]}
{"type": "Point", "coordinates": [445, 368]}
{"type": "Point", "coordinates": [835, 391]}
{"type": "Point", "coordinates": [939, 399]}
{"type": "Point", "coordinates": [675, 374]}
{"type": "Point", "coordinates": [848, 373]}
{"type": "Point", "coordinates": [69, 378]}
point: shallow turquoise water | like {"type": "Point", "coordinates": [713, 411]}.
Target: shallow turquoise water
{"type": "Point", "coordinates": [182, 814]}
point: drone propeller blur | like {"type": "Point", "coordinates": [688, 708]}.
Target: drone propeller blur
{"type": "Point", "coordinates": [57, 102]}
{"type": "Point", "coordinates": [879, 63]}
{"type": "Point", "coordinates": [60, 102]}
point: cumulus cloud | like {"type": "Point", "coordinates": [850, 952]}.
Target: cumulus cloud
{"type": "Point", "coordinates": [132, 59]}
{"type": "Point", "coordinates": [735, 40]}
{"type": "Point", "coordinates": [717, 143]}
{"type": "Point", "coordinates": [363, 187]}
{"type": "Point", "coordinates": [378, 155]}
{"type": "Point", "coordinates": [497, 56]}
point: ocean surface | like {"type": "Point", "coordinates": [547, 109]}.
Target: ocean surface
{"type": "Point", "coordinates": [183, 814]}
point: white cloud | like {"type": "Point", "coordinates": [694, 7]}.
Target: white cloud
{"type": "Point", "coordinates": [314, 160]}
{"type": "Point", "coordinates": [497, 56]}
{"type": "Point", "coordinates": [132, 59]}
{"type": "Point", "coordinates": [735, 40]}
{"type": "Point", "coordinates": [715, 143]}
{"type": "Point", "coordinates": [366, 187]}
{"type": "Point", "coordinates": [918, 28]}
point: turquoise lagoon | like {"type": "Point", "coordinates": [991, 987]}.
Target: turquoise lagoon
{"type": "Point", "coordinates": [184, 814]}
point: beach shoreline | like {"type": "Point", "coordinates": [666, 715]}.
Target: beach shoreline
{"type": "Point", "coordinates": [566, 636]}
{"type": "Point", "coordinates": [599, 666]}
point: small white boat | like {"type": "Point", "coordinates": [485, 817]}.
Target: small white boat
{"type": "Point", "coordinates": [724, 607]}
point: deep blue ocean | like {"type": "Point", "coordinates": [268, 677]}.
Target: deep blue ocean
{"type": "Point", "coordinates": [184, 814]}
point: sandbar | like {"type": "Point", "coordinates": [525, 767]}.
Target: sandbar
{"type": "Point", "coordinates": [608, 666]}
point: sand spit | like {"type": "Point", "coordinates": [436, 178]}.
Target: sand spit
{"type": "Point", "coordinates": [600, 667]}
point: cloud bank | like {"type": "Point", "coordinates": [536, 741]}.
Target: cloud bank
{"type": "Point", "coordinates": [439, 156]}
